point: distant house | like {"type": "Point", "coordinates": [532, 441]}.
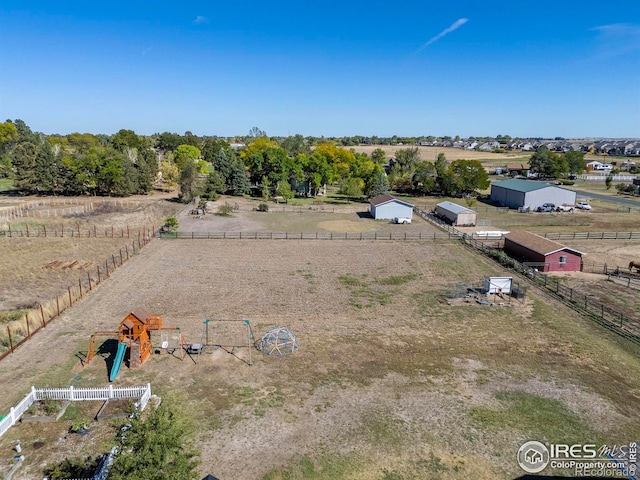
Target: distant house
{"type": "Point", "coordinates": [456, 214]}
{"type": "Point", "coordinates": [541, 253]}
{"type": "Point", "coordinates": [516, 193]}
{"type": "Point", "coordinates": [237, 145]}
{"type": "Point", "coordinates": [599, 166]}
{"type": "Point", "coordinates": [389, 207]}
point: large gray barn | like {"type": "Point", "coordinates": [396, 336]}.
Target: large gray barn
{"type": "Point", "coordinates": [516, 193]}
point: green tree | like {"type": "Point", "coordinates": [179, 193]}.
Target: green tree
{"type": "Point", "coordinates": [124, 139]}
{"type": "Point", "coordinates": [575, 161]}
{"type": "Point", "coordinates": [379, 184]}
{"type": "Point", "coordinates": [8, 135]}
{"type": "Point", "coordinates": [441, 165]}
{"type": "Point", "coordinates": [211, 147]}
{"type": "Point", "coordinates": [82, 142]}
{"type": "Point", "coordinates": [424, 178]}
{"type": "Point", "coordinates": [170, 174]}
{"type": "Point", "coordinates": [469, 175]}
{"type": "Point", "coordinates": [186, 154]}
{"type": "Point", "coordinates": [168, 142]}
{"type": "Point", "coordinates": [189, 182]}
{"type": "Point", "coordinates": [540, 162]}
{"type": "Point", "coordinates": [266, 159]}
{"type": "Point", "coordinates": [608, 181]}
{"type": "Point", "coordinates": [157, 445]}
{"type": "Point", "coordinates": [295, 145]}
{"type": "Point", "coordinates": [238, 182]}
{"type": "Point", "coordinates": [352, 187]}
{"type": "Point", "coordinates": [407, 159]}
{"type": "Point", "coordinates": [379, 156]}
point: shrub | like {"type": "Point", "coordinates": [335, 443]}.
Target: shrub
{"type": "Point", "coordinates": [225, 210]}
{"type": "Point", "coordinates": [263, 207]}
{"type": "Point", "coordinates": [80, 424]}
{"type": "Point", "coordinates": [171, 224]}
{"type": "Point", "coordinates": [566, 182]}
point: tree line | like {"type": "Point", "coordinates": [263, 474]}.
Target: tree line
{"type": "Point", "coordinates": [126, 163]}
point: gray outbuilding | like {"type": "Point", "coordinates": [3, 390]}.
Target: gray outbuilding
{"type": "Point", "coordinates": [389, 207]}
{"type": "Point", "coordinates": [517, 193]}
{"type": "Point", "coordinates": [456, 214]}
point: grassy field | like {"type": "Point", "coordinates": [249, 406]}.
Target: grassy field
{"type": "Point", "coordinates": [393, 380]}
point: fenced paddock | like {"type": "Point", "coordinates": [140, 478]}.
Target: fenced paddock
{"type": "Point", "coordinates": [142, 394]}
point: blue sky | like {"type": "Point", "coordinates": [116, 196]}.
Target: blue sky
{"type": "Point", "coordinates": [332, 68]}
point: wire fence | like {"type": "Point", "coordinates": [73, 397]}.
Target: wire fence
{"type": "Point", "coordinates": [20, 331]}
{"type": "Point", "coordinates": [110, 231]}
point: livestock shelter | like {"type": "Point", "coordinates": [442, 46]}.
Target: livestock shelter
{"type": "Point", "coordinates": [541, 253]}
{"type": "Point", "coordinates": [456, 214]}
{"type": "Point", "coordinates": [517, 193]}
{"type": "Point", "coordinates": [389, 207]}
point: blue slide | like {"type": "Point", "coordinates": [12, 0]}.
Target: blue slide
{"type": "Point", "coordinates": [117, 363]}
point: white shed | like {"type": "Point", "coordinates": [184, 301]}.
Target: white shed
{"type": "Point", "coordinates": [388, 207]}
{"type": "Point", "coordinates": [456, 214]}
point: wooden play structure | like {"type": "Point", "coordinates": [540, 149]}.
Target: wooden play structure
{"type": "Point", "coordinates": [134, 337]}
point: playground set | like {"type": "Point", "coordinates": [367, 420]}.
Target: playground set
{"type": "Point", "coordinates": [135, 343]}
{"type": "Point", "coordinates": [134, 336]}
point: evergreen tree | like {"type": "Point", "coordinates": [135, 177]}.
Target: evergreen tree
{"type": "Point", "coordinates": [157, 445]}
{"type": "Point", "coordinates": [238, 181]}
{"type": "Point", "coordinates": [379, 184]}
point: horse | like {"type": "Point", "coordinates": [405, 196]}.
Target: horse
{"type": "Point", "coordinates": [633, 264]}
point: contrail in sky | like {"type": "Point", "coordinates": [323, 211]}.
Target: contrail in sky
{"type": "Point", "coordinates": [456, 25]}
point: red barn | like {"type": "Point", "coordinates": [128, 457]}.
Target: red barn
{"type": "Point", "coordinates": [542, 253]}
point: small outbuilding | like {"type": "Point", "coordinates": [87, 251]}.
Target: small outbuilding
{"type": "Point", "coordinates": [389, 207]}
{"type": "Point", "coordinates": [541, 253]}
{"type": "Point", "coordinates": [518, 193]}
{"type": "Point", "coordinates": [456, 214]}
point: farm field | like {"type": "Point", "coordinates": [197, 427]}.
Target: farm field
{"type": "Point", "coordinates": [431, 153]}
{"type": "Point", "coordinates": [391, 380]}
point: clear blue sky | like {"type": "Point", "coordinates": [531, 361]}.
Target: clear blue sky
{"type": "Point", "coordinates": [332, 68]}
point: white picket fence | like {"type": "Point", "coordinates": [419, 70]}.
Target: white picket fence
{"type": "Point", "coordinates": [143, 394]}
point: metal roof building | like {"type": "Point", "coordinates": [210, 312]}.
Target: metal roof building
{"type": "Point", "coordinates": [389, 207]}
{"type": "Point", "coordinates": [544, 254]}
{"type": "Point", "coordinates": [456, 214]}
{"type": "Point", "coordinates": [516, 193]}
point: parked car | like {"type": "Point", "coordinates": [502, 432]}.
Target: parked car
{"type": "Point", "coordinates": [583, 205]}
{"type": "Point", "coordinates": [547, 207]}
{"type": "Point", "coordinates": [403, 220]}
{"type": "Point", "coordinates": [564, 208]}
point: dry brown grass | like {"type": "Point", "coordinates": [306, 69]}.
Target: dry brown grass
{"type": "Point", "coordinates": [387, 378]}
{"type": "Point", "coordinates": [431, 153]}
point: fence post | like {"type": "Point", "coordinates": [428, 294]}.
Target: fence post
{"type": "Point", "coordinates": [80, 287]}
{"type": "Point", "coordinates": [26, 317]}
{"type": "Point", "coordinates": [44, 322]}
{"type": "Point", "coordinates": [120, 256]}
{"type": "Point", "coordinates": [70, 298]}
{"type": "Point", "coordinates": [89, 278]}
{"type": "Point", "coordinates": [602, 310]}
{"type": "Point", "coordinates": [27, 230]}
{"type": "Point", "coordinates": [106, 264]}
{"type": "Point", "coordinates": [10, 339]}
{"type": "Point", "coordinates": [127, 250]}
{"type": "Point", "coordinates": [71, 396]}
{"type": "Point", "coordinates": [113, 259]}
{"type": "Point", "coordinates": [98, 274]}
